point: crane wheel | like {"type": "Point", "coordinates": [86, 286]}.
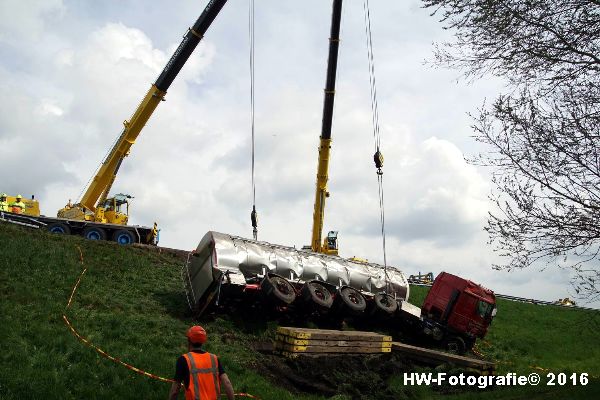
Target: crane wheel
{"type": "Point", "coordinates": [94, 233]}
{"type": "Point", "coordinates": [350, 300]}
{"type": "Point", "coordinates": [59, 227]}
{"type": "Point", "coordinates": [317, 293]}
{"type": "Point", "coordinates": [123, 237]}
{"type": "Point", "coordinates": [279, 288]}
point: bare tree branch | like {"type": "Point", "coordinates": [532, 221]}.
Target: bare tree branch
{"type": "Point", "coordinates": [543, 137]}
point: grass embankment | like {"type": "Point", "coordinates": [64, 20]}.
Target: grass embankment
{"type": "Point", "coordinates": [131, 304]}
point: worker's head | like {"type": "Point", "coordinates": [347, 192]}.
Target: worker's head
{"type": "Point", "coordinates": [19, 197]}
{"type": "Point", "coordinates": [196, 336]}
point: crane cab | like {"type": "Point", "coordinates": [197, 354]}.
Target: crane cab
{"type": "Point", "coordinates": [114, 210]}
{"type": "Point", "coordinates": [330, 244]}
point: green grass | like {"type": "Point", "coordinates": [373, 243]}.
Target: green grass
{"type": "Point", "coordinates": [523, 335]}
{"type": "Point", "coordinates": [131, 304]}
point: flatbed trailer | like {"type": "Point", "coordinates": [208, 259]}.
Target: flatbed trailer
{"type": "Point", "coordinates": [122, 234]}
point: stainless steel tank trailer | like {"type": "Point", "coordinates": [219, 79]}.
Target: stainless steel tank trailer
{"type": "Point", "coordinates": [225, 265]}
{"type": "Point", "coordinates": [455, 312]}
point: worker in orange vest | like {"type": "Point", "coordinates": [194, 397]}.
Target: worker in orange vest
{"type": "Point", "coordinates": [200, 372]}
{"type": "Point", "coordinates": [18, 207]}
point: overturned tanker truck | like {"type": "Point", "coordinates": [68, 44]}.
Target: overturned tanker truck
{"type": "Point", "coordinates": [455, 312]}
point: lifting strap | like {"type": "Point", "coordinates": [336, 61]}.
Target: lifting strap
{"type": "Point", "coordinates": [253, 214]}
{"type": "Point", "coordinates": [378, 156]}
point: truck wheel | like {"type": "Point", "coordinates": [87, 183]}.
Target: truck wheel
{"type": "Point", "coordinates": [59, 227]}
{"type": "Point", "coordinates": [123, 237]}
{"type": "Point", "coordinates": [455, 345]}
{"type": "Point", "coordinates": [94, 233]}
{"type": "Point", "coordinates": [279, 288]}
{"type": "Point", "coordinates": [317, 293]}
{"type": "Point", "coordinates": [352, 300]}
{"type": "Point", "coordinates": [386, 303]}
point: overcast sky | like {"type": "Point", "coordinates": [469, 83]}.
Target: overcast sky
{"type": "Point", "coordinates": [72, 71]}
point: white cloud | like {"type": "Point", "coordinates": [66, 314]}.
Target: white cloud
{"type": "Point", "coordinates": [71, 88]}
{"type": "Point", "coordinates": [49, 107]}
{"type": "Point", "coordinates": [26, 20]}
{"type": "Point", "coordinates": [117, 43]}
{"type": "Point", "coordinates": [431, 195]}
{"type": "Point", "coordinates": [64, 58]}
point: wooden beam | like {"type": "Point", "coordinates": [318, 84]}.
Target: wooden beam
{"type": "Point", "coordinates": [327, 334]}
{"type": "Point", "coordinates": [337, 343]}
{"type": "Point", "coordinates": [436, 357]}
{"type": "Point", "coordinates": [330, 349]}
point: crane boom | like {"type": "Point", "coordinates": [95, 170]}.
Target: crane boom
{"type": "Point", "coordinates": [325, 139]}
{"type": "Point", "coordinates": [99, 187]}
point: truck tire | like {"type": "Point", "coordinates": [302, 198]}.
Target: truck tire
{"type": "Point", "coordinates": [279, 288]}
{"type": "Point", "coordinates": [59, 227]}
{"type": "Point", "coordinates": [351, 300]}
{"type": "Point", "coordinates": [94, 233]}
{"type": "Point", "coordinates": [317, 293]}
{"type": "Point", "coordinates": [455, 345]}
{"type": "Point", "coordinates": [123, 237]}
{"type": "Point", "coordinates": [386, 303]}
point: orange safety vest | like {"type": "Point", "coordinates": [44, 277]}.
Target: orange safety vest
{"type": "Point", "coordinates": [18, 207]}
{"type": "Point", "coordinates": [205, 383]}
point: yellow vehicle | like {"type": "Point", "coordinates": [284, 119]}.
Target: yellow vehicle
{"type": "Point", "coordinates": [421, 279]}
{"type": "Point", "coordinates": [32, 206]}
{"type": "Point", "coordinates": [96, 205]}
{"type": "Point", "coordinates": [567, 302]}
{"type": "Point", "coordinates": [100, 216]}
{"type": "Point", "coordinates": [329, 244]}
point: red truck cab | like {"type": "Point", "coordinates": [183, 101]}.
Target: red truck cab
{"type": "Point", "coordinates": [462, 307]}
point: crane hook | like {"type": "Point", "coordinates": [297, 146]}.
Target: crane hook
{"type": "Point", "coordinates": [254, 219]}
{"type": "Point", "coordinates": [378, 158]}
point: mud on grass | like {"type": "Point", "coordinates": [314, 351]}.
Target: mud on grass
{"type": "Point", "coordinates": [353, 376]}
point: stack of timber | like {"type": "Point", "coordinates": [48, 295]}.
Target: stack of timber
{"type": "Point", "coordinates": [293, 342]}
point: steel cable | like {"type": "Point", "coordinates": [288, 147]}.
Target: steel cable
{"type": "Point", "coordinates": [78, 199]}
{"type": "Point", "coordinates": [378, 157]}
{"type": "Point", "coordinates": [253, 214]}
{"type": "Point", "coordinates": [373, 86]}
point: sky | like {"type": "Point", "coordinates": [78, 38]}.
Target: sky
{"type": "Point", "coordinates": [72, 71]}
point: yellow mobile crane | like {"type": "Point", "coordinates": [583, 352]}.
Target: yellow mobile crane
{"type": "Point", "coordinates": [329, 244]}
{"type": "Point", "coordinates": [98, 216]}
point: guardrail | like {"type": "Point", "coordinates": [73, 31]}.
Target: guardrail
{"type": "Point", "coordinates": [527, 300]}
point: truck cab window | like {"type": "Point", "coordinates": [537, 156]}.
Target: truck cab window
{"type": "Point", "coordinates": [484, 309]}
